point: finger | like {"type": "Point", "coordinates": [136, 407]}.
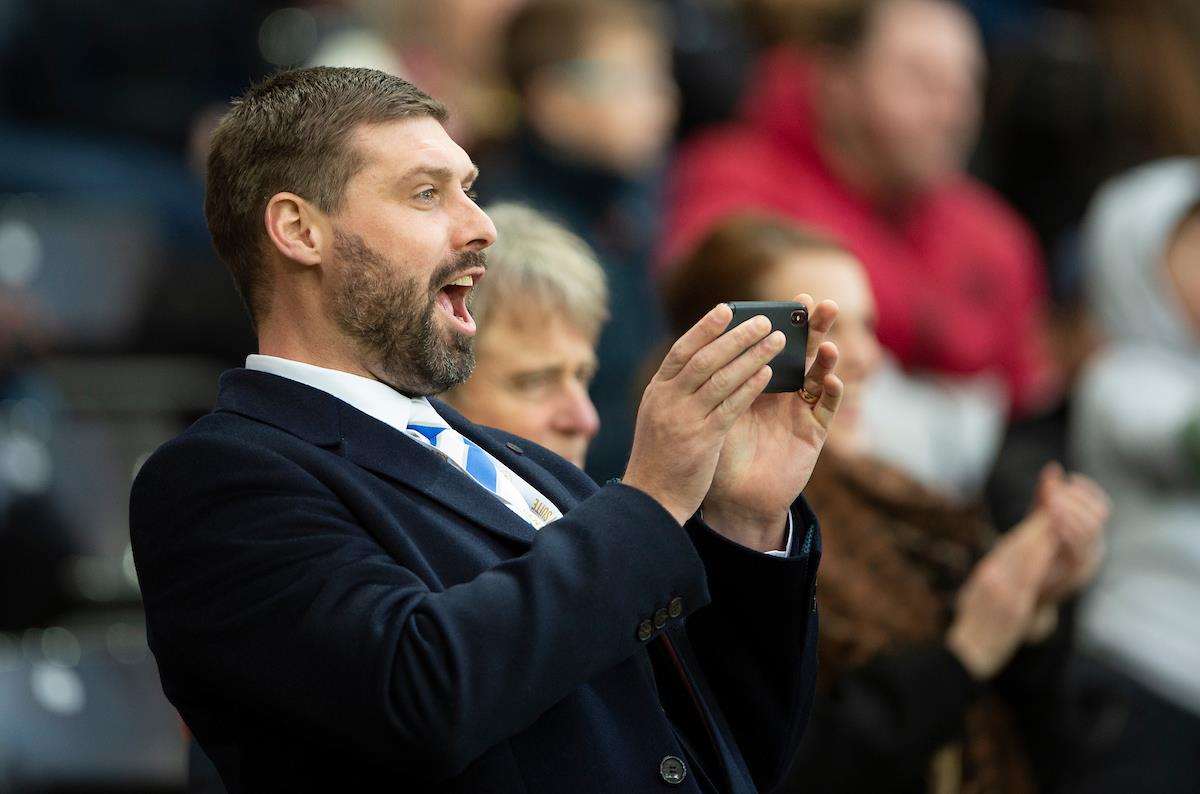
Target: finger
{"type": "Point", "coordinates": [1071, 527]}
{"type": "Point", "coordinates": [1049, 477]}
{"type": "Point", "coordinates": [730, 377]}
{"type": "Point", "coordinates": [718, 353]}
{"type": "Point", "coordinates": [709, 327]}
{"type": "Point", "coordinates": [1092, 489]}
{"type": "Point", "coordinates": [742, 398]}
{"type": "Point", "coordinates": [831, 398]}
{"type": "Point", "coordinates": [822, 365]}
{"type": "Point", "coordinates": [1086, 504]}
{"type": "Point", "coordinates": [821, 318]}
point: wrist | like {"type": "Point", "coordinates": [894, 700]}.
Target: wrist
{"type": "Point", "coordinates": [680, 514]}
{"type": "Point", "coordinates": [1043, 624]}
{"type": "Point", "coordinates": [754, 529]}
{"type": "Point", "coordinates": [975, 660]}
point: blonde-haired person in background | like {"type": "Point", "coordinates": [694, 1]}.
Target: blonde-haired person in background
{"type": "Point", "coordinates": [539, 311]}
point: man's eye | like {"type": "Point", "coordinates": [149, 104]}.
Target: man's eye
{"type": "Point", "coordinates": [529, 383]}
{"type": "Point", "coordinates": [428, 194]}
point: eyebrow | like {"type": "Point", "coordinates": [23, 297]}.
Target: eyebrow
{"type": "Point", "coordinates": [439, 173]}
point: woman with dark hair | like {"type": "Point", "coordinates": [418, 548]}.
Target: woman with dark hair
{"type": "Point", "coordinates": [934, 629]}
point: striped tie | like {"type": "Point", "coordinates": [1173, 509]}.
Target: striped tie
{"type": "Point", "coordinates": [471, 458]}
{"type": "Point", "coordinates": [464, 453]}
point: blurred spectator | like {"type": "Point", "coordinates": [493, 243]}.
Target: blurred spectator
{"type": "Point", "coordinates": [598, 107]}
{"type": "Point", "coordinates": [451, 48]}
{"type": "Point", "coordinates": [923, 685]}
{"type": "Point", "coordinates": [1137, 430]}
{"type": "Point", "coordinates": [539, 310]}
{"type": "Point", "coordinates": [864, 132]}
{"type": "Point", "coordinates": [1080, 90]}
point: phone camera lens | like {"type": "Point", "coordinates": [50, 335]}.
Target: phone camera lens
{"type": "Point", "coordinates": [799, 316]}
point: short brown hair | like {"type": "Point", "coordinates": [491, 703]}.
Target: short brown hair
{"type": "Point", "coordinates": [728, 261]}
{"type": "Point", "coordinates": [290, 133]}
{"type": "Point", "coordinates": [550, 32]}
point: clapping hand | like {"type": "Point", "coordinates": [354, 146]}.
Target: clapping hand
{"type": "Point", "coordinates": [1077, 510]}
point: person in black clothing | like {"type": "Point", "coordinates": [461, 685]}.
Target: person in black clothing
{"type": "Point", "coordinates": [598, 109]}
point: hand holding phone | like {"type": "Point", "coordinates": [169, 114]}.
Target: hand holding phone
{"type": "Point", "coordinates": [790, 317]}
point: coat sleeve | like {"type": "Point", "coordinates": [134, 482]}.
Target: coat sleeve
{"type": "Point", "coordinates": [756, 641]}
{"type": "Point", "coordinates": [259, 583]}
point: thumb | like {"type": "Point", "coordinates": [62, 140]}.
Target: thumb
{"type": "Point", "coordinates": [1050, 476]}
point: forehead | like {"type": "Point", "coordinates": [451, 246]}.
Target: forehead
{"type": "Point", "coordinates": [620, 40]}
{"type": "Point", "coordinates": [538, 338]}
{"type": "Point", "coordinates": [395, 148]}
{"type": "Point", "coordinates": [828, 274]}
{"type": "Point", "coordinates": [926, 28]}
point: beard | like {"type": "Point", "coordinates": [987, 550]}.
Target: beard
{"type": "Point", "coordinates": [391, 319]}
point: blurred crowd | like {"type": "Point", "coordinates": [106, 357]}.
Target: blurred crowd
{"type": "Point", "coordinates": [1003, 196]}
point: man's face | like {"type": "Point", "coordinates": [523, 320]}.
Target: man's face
{"type": "Point", "coordinates": [917, 91]}
{"type": "Point", "coordinates": [616, 104]}
{"type": "Point", "coordinates": [532, 380]}
{"type": "Point", "coordinates": [408, 244]}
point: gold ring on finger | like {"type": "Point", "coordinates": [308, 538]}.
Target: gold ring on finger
{"type": "Point", "coordinates": [809, 397]}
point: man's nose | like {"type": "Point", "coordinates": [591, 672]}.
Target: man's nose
{"type": "Point", "coordinates": [577, 414]}
{"type": "Point", "coordinates": [475, 229]}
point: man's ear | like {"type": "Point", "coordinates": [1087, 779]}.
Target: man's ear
{"type": "Point", "coordinates": [296, 228]}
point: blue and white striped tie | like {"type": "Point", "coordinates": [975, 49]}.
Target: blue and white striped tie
{"type": "Point", "coordinates": [473, 460]}
{"type": "Point", "coordinates": [484, 469]}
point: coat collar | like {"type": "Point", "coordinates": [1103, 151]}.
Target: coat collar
{"type": "Point", "coordinates": [325, 421]}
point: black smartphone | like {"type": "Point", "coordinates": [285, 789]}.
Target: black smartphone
{"type": "Point", "coordinates": [787, 368]}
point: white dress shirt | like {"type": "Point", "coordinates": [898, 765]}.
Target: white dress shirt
{"type": "Point", "coordinates": [382, 402]}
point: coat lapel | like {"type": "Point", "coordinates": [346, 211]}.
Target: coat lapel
{"type": "Point", "coordinates": [381, 449]}
{"type": "Point", "coordinates": [326, 421]}
{"type": "Point", "coordinates": [522, 465]}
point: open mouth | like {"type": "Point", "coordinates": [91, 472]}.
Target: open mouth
{"type": "Point", "coordinates": [452, 298]}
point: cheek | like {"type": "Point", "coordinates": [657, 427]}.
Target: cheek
{"type": "Point", "coordinates": [536, 422]}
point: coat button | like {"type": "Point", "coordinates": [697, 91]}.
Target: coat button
{"type": "Point", "coordinates": [675, 608]}
{"type": "Point", "coordinates": [514, 448]}
{"type": "Point", "coordinates": [672, 770]}
{"type": "Point", "coordinates": [645, 630]}
{"type": "Point", "coordinates": [660, 618]}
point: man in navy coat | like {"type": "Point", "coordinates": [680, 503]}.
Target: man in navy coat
{"type": "Point", "coordinates": [349, 587]}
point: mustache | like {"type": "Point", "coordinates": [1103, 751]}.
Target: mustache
{"type": "Point", "coordinates": [467, 260]}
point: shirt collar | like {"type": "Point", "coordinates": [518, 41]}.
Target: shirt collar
{"type": "Point", "coordinates": [376, 399]}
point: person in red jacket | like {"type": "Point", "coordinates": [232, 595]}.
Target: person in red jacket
{"type": "Point", "coordinates": [865, 135]}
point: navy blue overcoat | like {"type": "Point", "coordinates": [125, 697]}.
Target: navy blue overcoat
{"type": "Point", "coordinates": [335, 607]}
